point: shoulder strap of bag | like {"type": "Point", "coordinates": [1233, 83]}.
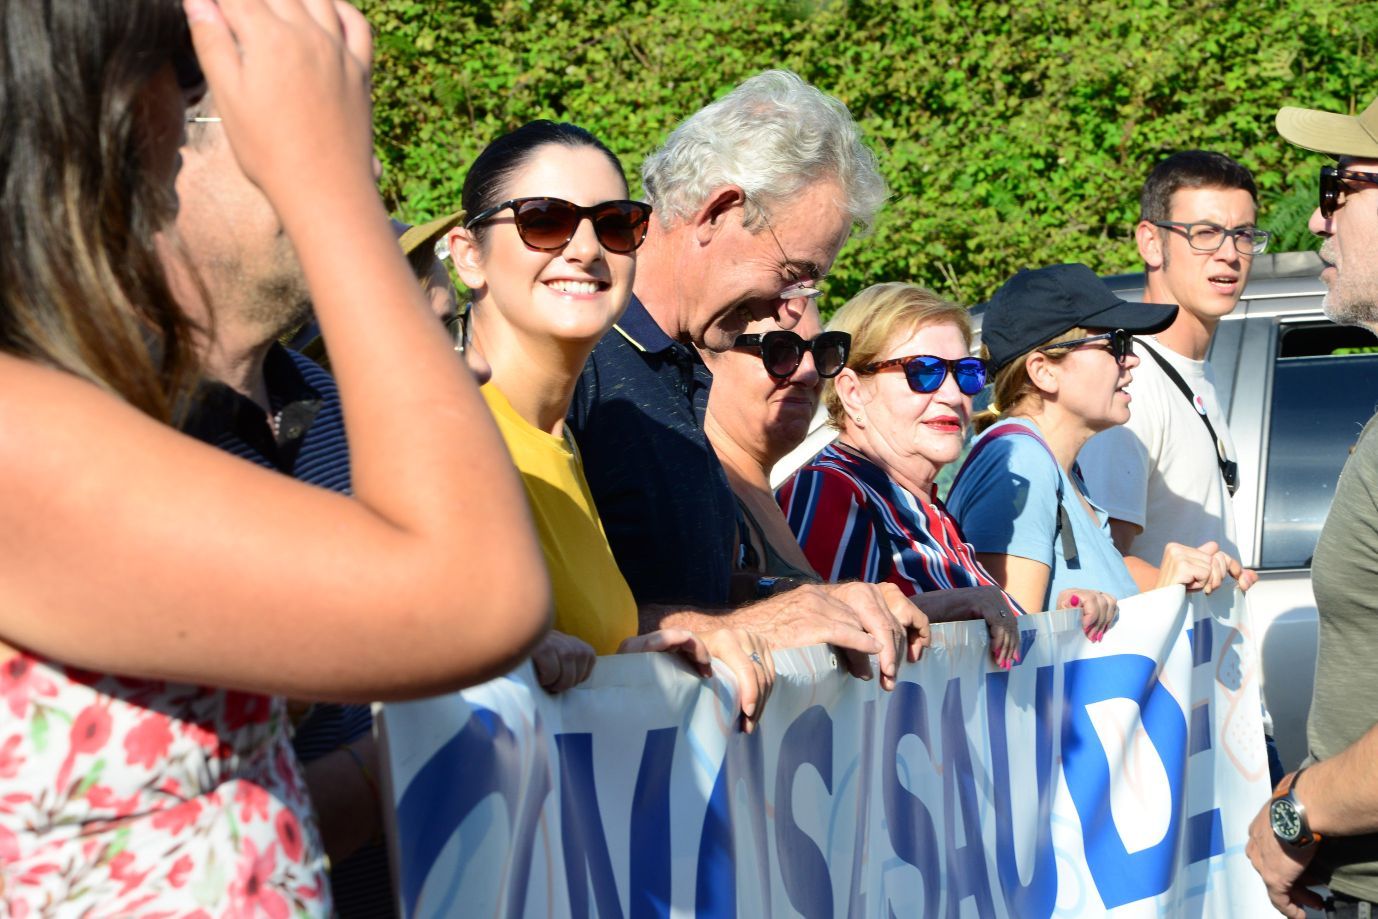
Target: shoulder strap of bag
{"type": "Point", "coordinates": [1229, 469]}
{"type": "Point", "coordinates": [1064, 522]}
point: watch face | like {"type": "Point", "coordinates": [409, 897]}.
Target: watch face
{"type": "Point", "coordinates": [1285, 820]}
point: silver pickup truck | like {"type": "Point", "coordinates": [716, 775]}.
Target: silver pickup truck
{"type": "Point", "coordinates": [1297, 389]}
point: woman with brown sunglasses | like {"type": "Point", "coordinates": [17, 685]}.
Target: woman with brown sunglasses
{"type": "Point", "coordinates": [549, 256]}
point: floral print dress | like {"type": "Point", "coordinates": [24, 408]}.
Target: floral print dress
{"type": "Point", "coordinates": [129, 797]}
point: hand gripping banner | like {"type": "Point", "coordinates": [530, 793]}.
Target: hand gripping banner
{"type": "Point", "coordinates": [1116, 778]}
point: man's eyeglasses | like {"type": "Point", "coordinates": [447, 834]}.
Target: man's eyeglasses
{"type": "Point", "coordinates": [805, 288]}
{"type": "Point", "coordinates": [926, 373]}
{"type": "Point", "coordinates": [1333, 187]}
{"type": "Point", "coordinates": [783, 352]}
{"type": "Point", "coordinates": [1209, 237]}
{"type": "Point", "coordinates": [548, 224]}
{"type": "Point", "coordinates": [1119, 343]}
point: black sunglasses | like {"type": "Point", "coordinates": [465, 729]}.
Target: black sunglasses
{"type": "Point", "coordinates": [1121, 343]}
{"type": "Point", "coordinates": [926, 373]}
{"type": "Point", "coordinates": [1333, 186]}
{"type": "Point", "coordinates": [548, 224]}
{"type": "Point", "coordinates": [783, 352]}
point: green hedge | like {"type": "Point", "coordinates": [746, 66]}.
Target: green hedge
{"type": "Point", "coordinates": [1012, 134]}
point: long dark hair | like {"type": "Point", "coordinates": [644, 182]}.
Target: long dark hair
{"type": "Point", "coordinates": [488, 177]}
{"type": "Point", "coordinates": [81, 284]}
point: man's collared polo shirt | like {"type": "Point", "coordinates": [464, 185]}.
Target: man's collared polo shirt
{"type": "Point", "coordinates": [668, 511]}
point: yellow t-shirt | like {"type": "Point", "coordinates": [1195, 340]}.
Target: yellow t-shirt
{"type": "Point", "coordinates": [592, 599]}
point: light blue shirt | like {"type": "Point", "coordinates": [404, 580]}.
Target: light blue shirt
{"type": "Point", "coordinates": [1006, 502]}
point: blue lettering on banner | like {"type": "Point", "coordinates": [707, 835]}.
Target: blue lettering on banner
{"type": "Point", "coordinates": [435, 804]}
{"type": "Point", "coordinates": [1121, 877]}
{"type": "Point", "coordinates": [909, 824]}
{"type": "Point", "coordinates": [582, 838]}
{"type": "Point", "coordinates": [715, 887]}
{"type": "Point", "coordinates": [651, 831]}
{"type": "Point", "coordinates": [1038, 898]}
{"type": "Point", "coordinates": [856, 905]}
{"type": "Point", "coordinates": [803, 867]}
{"type": "Point", "coordinates": [966, 864]}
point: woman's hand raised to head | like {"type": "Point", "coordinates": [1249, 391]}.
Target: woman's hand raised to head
{"type": "Point", "coordinates": [291, 83]}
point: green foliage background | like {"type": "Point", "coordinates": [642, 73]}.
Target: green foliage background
{"type": "Point", "coordinates": [1012, 134]}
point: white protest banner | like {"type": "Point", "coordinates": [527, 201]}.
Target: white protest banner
{"type": "Point", "coordinates": [1111, 778]}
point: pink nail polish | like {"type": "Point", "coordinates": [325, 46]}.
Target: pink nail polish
{"type": "Point", "coordinates": [1075, 601]}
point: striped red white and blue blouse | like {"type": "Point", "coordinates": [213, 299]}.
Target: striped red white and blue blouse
{"type": "Point", "coordinates": [855, 523]}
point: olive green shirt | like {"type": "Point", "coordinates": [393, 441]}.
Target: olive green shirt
{"type": "Point", "coordinates": [1344, 574]}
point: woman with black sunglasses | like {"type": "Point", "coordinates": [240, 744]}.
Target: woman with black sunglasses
{"type": "Point", "coordinates": [548, 257]}
{"type": "Point", "coordinates": [764, 395]}
{"type": "Point", "coordinates": [864, 509]}
{"type": "Point", "coordinates": [1062, 347]}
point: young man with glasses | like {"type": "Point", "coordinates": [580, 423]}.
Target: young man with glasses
{"type": "Point", "coordinates": [1321, 826]}
{"type": "Point", "coordinates": [1168, 474]}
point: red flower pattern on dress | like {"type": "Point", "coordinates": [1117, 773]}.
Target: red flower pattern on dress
{"type": "Point", "coordinates": [21, 682]}
{"type": "Point", "coordinates": [134, 797]}
{"type": "Point", "coordinates": [148, 742]}
{"type": "Point", "coordinates": [10, 757]}
{"type": "Point", "coordinates": [289, 834]}
{"type": "Point", "coordinates": [252, 891]}
{"type": "Point", "coordinates": [252, 801]}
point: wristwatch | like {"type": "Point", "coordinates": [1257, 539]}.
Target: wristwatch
{"type": "Point", "coordinates": [1287, 815]}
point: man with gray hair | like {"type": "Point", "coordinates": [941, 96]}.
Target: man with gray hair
{"type": "Point", "coordinates": [1321, 826]}
{"type": "Point", "coordinates": [755, 195]}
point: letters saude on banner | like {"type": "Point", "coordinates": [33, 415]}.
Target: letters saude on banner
{"type": "Point", "coordinates": [1116, 777]}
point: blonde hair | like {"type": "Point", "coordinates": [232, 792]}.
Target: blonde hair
{"type": "Point", "coordinates": [1013, 390]}
{"type": "Point", "coordinates": [878, 316]}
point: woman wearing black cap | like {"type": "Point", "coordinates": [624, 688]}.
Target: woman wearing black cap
{"type": "Point", "coordinates": [1062, 348]}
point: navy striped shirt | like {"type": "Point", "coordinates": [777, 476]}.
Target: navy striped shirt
{"type": "Point", "coordinates": [310, 446]}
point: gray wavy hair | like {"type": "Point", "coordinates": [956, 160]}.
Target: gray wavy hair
{"type": "Point", "coordinates": [772, 135]}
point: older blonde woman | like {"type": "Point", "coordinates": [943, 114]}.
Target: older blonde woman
{"type": "Point", "coordinates": [865, 508]}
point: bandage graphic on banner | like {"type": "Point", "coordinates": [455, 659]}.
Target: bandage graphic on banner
{"type": "Point", "coordinates": [1113, 778]}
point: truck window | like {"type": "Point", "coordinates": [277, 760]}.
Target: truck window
{"type": "Point", "coordinates": [1325, 387]}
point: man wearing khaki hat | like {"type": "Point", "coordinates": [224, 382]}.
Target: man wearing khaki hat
{"type": "Point", "coordinates": [1321, 826]}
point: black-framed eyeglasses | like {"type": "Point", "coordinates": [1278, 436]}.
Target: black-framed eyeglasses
{"type": "Point", "coordinates": [783, 352]}
{"type": "Point", "coordinates": [548, 224]}
{"type": "Point", "coordinates": [806, 288]}
{"type": "Point", "coordinates": [925, 373]}
{"type": "Point", "coordinates": [1333, 187]}
{"type": "Point", "coordinates": [1119, 343]}
{"type": "Point", "coordinates": [1209, 237]}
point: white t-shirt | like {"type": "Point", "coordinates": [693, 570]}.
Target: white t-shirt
{"type": "Point", "coordinates": [1160, 470]}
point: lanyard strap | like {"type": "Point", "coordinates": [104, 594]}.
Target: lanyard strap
{"type": "Point", "coordinates": [1229, 469]}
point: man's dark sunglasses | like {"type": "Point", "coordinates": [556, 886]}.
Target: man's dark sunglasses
{"type": "Point", "coordinates": [1120, 343]}
{"type": "Point", "coordinates": [926, 373]}
{"type": "Point", "coordinates": [783, 352]}
{"type": "Point", "coordinates": [548, 224]}
{"type": "Point", "coordinates": [1333, 186]}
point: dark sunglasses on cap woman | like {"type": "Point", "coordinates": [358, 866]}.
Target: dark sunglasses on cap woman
{"type": "Point", "coordinates": [783, 352]}
{"type": "Point", "coordinates": [925, 373]}
{"type": "Point", "coordinates": [548, 224]}
{"type": "Point", "coordinates": [1119, 343]}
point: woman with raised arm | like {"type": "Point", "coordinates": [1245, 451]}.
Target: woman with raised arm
{"type": "Point", "coordinates": [156, 594]}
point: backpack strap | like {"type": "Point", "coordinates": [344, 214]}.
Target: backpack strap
{"type": "Point", "coordinates": [1229, 469]}
{"type": "Point", "coordinates": [1064, 521]}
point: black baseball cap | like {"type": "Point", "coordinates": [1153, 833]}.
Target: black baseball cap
{"type": "Point", "coordinates": [1039, 304]}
